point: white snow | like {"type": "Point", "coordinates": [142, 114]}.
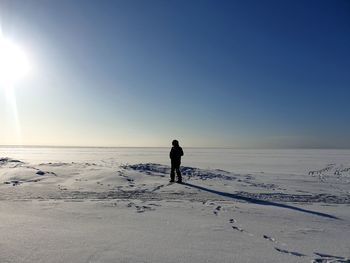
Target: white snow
{"type": "Point", "coordinates": [116, 205]}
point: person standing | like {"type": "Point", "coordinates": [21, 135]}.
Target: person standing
{"type": "Point", "coordinates": [175, 156]}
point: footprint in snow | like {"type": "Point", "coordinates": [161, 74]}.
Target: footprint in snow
{"type": "Point", "coordinates": [13, 182]}
{"type": "Point", "coordinates": [238, 228]}
{"type": "Point", "coordinates": [293, 253]}
{"type": "Point", "coordinates": [152, 204]}
{"type": "Point", "coordinates": [325, 258]}
{"type": "Point", "coordinates": [144, 208]}
{"type": "Point", "coordinates": [217, 209]}
{"type": "Point", "coordinates": [269, 238]}
{"type": "Point", "coordinates": [232, 221]}
{"type": "Point", "coordinates": [131, 204]}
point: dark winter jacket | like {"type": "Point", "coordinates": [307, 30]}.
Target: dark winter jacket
{"type": "Point", "coordinates": [176, 153]}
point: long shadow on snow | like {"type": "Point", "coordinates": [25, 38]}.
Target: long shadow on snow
{"type": "Point", "coordinates": [260, 202]}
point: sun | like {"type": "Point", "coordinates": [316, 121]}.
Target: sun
{"type": "Point", "coordinates": [14, 63]}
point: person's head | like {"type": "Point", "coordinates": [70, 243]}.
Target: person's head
{"type": "Point", "coordinates": [175, 143]}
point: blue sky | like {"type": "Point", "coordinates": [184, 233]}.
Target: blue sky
{"type": "Point", "coordinates": [272, 74]}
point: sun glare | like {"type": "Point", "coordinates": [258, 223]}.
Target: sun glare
{"type": "Point", "coordinates": [14, 63]}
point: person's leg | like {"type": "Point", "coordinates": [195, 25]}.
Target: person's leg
{"type": "Point", "coordinates": [172, 173]}
{"type": "Point", "coordinates": [178, 172]}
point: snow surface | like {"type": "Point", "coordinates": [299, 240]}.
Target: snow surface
{"type": "Point", "coordinates": [116, 205]}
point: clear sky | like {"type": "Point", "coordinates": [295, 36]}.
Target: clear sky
{"type": "Point", "coordinates": [272, 74]}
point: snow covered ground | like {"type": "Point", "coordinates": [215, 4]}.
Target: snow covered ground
{"type": "Point", "coordinates": [116, 205]}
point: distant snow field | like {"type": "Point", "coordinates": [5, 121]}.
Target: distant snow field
{"type": "Point", "coordinates": [117, 205]}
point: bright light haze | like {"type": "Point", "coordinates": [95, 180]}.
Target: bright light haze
{"type": "Point", "coordinates": [264, 74]}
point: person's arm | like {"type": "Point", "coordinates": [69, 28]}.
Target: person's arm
{"type": "Point", "coordinates": [182, 152]}
{"type": "Point", "coordinates": [171, 153]}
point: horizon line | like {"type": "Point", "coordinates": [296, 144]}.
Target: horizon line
{"type": "Point", "coordinates": [199, 147]}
